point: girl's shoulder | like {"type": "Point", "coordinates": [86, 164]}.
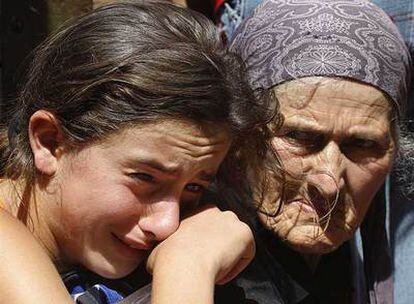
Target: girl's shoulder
{"type": "Point", "coordinates": [27, 273]}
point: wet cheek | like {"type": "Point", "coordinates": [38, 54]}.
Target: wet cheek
{"type": "Point", "coordinates": [126, 204]}
{"type": "Point", "coordinates": [117, 206]}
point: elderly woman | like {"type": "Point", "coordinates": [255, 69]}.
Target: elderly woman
{"type": "Point", "coordinates": [339, 70]}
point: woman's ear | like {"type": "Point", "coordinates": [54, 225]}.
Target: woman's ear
{"type": "Point", "coordinates": [46, 141]}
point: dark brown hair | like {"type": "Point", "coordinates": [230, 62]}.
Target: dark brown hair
{"type": "Point", "coordinates": [136, 62]}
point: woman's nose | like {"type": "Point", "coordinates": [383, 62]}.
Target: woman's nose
{"type": "Point", "coordinates": [328, 171]}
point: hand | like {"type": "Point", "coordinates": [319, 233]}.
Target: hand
{"type": "Point", "coordinates": [209, 247]}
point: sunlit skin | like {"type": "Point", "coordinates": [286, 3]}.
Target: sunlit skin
{"type": "Point", "coordinates": [111, 202]}
{"type": "Point", "coordinates": [337, 137]}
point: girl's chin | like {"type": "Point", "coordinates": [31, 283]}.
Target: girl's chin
{"type": "Point", "coordinates": [114, 272]}
{"type": "Point", "coordinates": [113, 268]}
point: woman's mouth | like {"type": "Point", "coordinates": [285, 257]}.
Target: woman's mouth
{"type": "Point", "coordinates": [303, 205]}
{"type": "Point", "coordinates": [317, 208]}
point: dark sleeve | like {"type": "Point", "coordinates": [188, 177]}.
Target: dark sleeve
{"type": "Point", "coordinates": [141, 296]}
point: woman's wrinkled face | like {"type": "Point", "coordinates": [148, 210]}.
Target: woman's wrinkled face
{"type": "Point", "coordinates": [121, 196]}
{"type": "Point", "coordinates": [337, 138]}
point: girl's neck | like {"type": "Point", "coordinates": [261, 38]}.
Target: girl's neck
{"type": "Point", "coordinates": [29, 206]}
{"type": "Point", "coordinates": [10, 196]}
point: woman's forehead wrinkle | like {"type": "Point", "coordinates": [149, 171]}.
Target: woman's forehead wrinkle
{"type": "Point", "coordinates": [296, 94]}
{"type": "Point", "coordinates": [352, 119]}
{"type": "Point", "coordinates": [304, 119]}
{"type": "Point", "coordinates": [326, 94]}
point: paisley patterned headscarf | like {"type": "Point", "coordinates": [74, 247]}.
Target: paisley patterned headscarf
{"type": "Point", "coordinates": [288, 39]}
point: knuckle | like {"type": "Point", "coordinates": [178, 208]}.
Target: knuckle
{"type": "Point", "coordinates": [230, 215]}
{"type": "Point", "coordinates": [247, 231]}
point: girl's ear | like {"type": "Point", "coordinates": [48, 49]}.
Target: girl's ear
{"type": "Point", "coordinates": [46, 139]}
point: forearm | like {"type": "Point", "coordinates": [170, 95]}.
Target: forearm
{"type": "Point", "coordinates": [210, 246]}
{"type": "Point", "coordinates": [179, 280]}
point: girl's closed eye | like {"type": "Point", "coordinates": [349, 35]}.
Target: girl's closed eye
{"type": "Point", "coordinates": [191, 197]}
{"type": "Point", "coordinates": [142, 177]}
{"type": "Point", "coordinates": [195, 188]}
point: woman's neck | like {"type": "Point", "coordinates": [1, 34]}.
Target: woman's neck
{"type": "Point", "coordinates": [312, 261]}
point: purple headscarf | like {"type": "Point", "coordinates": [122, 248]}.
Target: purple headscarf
{"type": "Point", "coordinates": [289, 39]}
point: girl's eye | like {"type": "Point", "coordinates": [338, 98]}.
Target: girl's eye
{"type": "Point", "coordinates": [143, 177]}
{"type": "Point", "coordinates": [195, 188]}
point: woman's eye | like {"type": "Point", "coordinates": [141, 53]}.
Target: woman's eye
{"type": "Point", "coordinates": [308, 140]}
{"type": "Point", "coordinates": [363, 143]}
{"type": "Point", "coordinates": [299, 135]}
{"type": "Point", "coordinates": [143, 177]}
{"type": "Point", "coordinates": [195, 188]}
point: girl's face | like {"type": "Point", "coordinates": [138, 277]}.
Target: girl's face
{"type": "Point", "coordinates": [114, 200]}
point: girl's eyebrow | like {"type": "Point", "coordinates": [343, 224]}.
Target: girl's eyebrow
{"type": "Point", "coordinates": [168, 169]}
{"type": "Point", "coordinates": [153, 163]}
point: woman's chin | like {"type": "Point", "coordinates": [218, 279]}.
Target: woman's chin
{"type": "Point", "coordinates": [313, 239]}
